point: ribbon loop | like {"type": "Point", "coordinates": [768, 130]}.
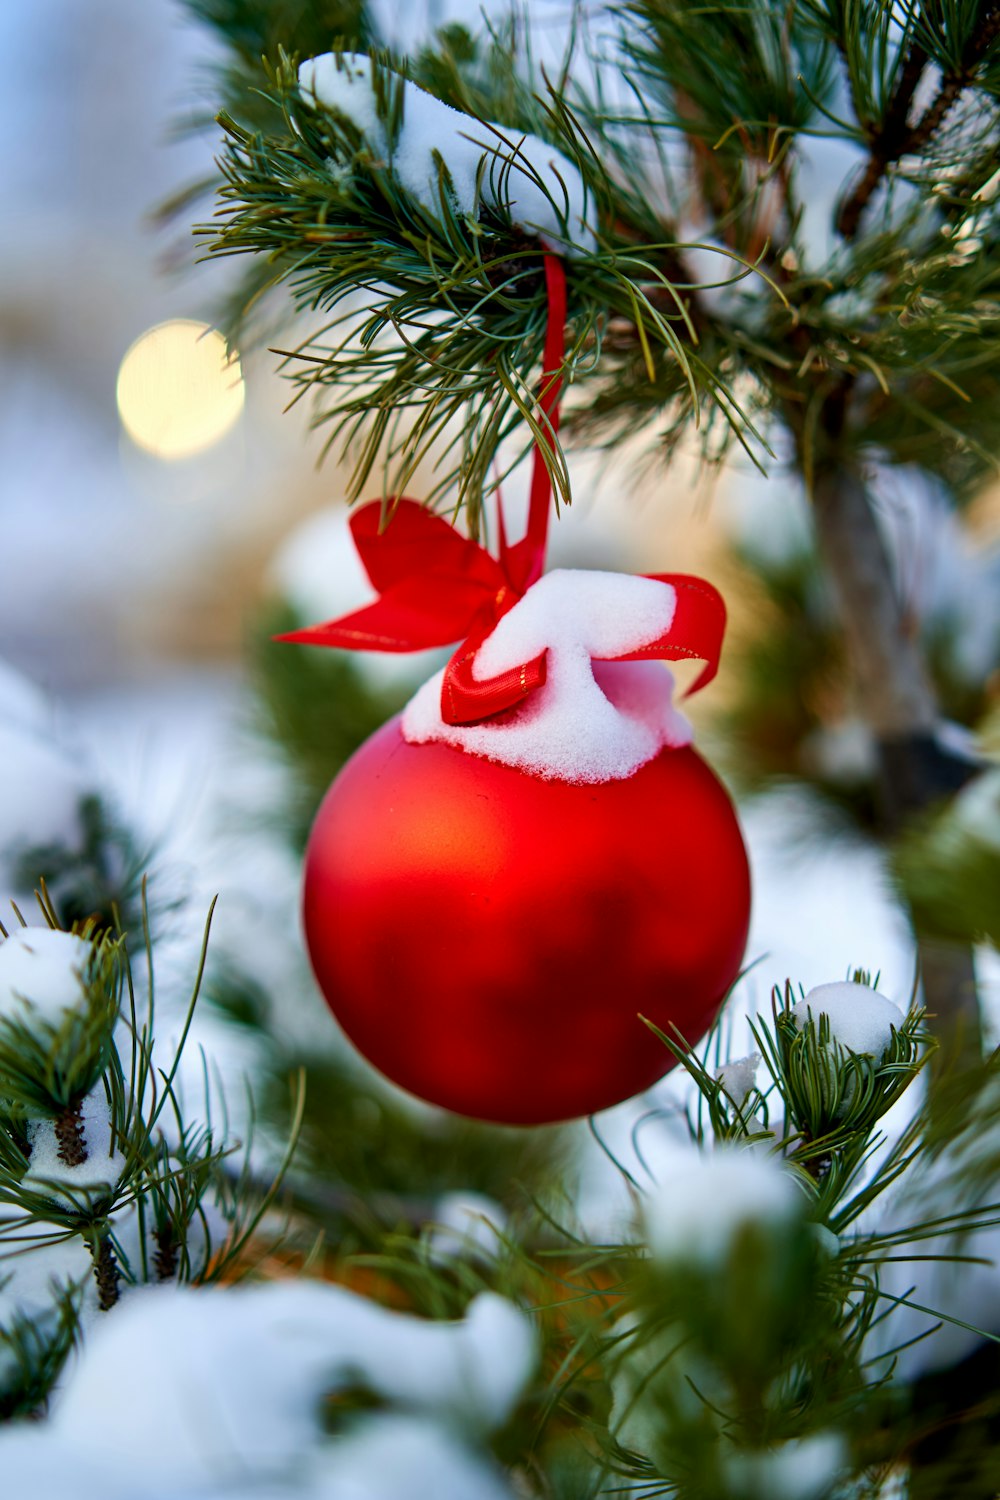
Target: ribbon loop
{"type": "Point", "coordinates": [696, 630]}
{"type": "Point", "coordinates": [436, 586]}
{"type": "Point", "coordinates": [695, 633]}
{"type": "Point", "coordinates": [466, 699]}
{"type": "Point", "coordinates": [432, 584]}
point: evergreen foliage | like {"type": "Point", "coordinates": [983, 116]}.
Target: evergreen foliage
{"type": "Point", "coordinates": [717, 305]}
{"type": "Point", "coordinates": [118, 1177]}
{"type": "Point", "coordinates": [714, 112]}
{"type": "Point", "coordinates": [662, 1376]}
{"type": "Point", "coordinates": [759, 1327]}
{"type": "Point", "coordinates": [99, 879]}
{"type": "Point", "coordinates": [252, 29]}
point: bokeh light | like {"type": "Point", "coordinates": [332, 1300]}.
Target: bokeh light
{"type": "Point", "coordinates": [178, 390]}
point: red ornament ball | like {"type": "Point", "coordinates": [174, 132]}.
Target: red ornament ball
{"type": "Point", "coordinates": [489, 939]}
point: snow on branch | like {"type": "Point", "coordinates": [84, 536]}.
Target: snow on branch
{"type": "Point", "coordinates": [436, 152]}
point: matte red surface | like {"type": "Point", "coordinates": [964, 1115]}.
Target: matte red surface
{"type": "Point", "coordinates": [488, 939]}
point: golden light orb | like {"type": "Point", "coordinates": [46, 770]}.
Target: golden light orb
{"type": "Point", "coordinates": [178, 391]}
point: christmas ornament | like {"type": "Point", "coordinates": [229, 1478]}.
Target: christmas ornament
{"type": "Point", "coordinates": [503, 881]}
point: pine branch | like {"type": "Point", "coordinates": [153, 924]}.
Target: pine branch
{"type": "Point", "coordinates": [33, 1351]}
{"type": "Point", "coordinates": [894, 138]}
{"type": "Point", "coordinates": [456, 326]}
{"type": "Point", "coordinates": [98, 881]}
{"type": "Point", "coordinates": [156, 1202]}
{"type": "Point", "coordinates": [255, 28]}
{"type": "Point", "coordinates": [48, 1066]}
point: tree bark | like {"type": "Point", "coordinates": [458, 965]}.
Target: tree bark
{"type": "Point", "coordinates": [897, 701]}
{"type": "Point", "coordinates": [106, 1272]}
{"type": "Point", "coordinates": [71, 1145]}
{"type": "Point", "coordinates": [894, 692]}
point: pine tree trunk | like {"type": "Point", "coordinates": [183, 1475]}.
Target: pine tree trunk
{"type": "Point", "coordinates": [895, 695]}
{"type": "Point", "coordinates": [897, 701]}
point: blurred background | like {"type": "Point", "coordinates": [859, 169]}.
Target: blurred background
{"type": "Point", "coordinates": [161, 513]}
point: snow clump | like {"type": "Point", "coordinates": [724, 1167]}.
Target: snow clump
{"type": "Point", "coordinates": [804, 1470]}
{"type": "Point", "coordinates": [590, 721]}
{"type": "Point", "coordinates": [861, 1020]}
{"type": "Point", "coordinates": [251, 1363]}
{"type": "Point", "coordinates": [42, 976]}
{"type": "Point", "coordinates": [486, 165]}
{"type": "Point", "coordinates": [225, 1387]}
{"type": "Point", "coordinates": [467, 1226]}
{"type": "Point", "coordinates": [709, 1200]}
{"type": "Point", "coordinates": [343, 83]}
{"type": "Point", "coordinates": [49, 1174]}
{"type": "Point", "coordinates": [739, 1077]}
{"type": "Point", "coordinates": [396, 1457]}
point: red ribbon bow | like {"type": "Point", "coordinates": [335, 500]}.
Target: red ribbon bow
{"type": "Point", "coordinates": [436, 586]}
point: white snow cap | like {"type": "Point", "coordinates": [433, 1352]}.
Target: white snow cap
{"type": "Point", "coordinates": [739, 1077]}
{"type": "Point", "coordinates": [703, 1204]}
{"type": "Point", "coordinates": [589, 721]}
{"type": "Point", "coordinates": [861, 1020]}
{"type": "Point", "coordinates": [318, 572]}
{"type": "Point", "coordinates": [224, 1399]}
{"type": "Point", "coordinates": [343, 82]}
{"type": "Point", "coordinates": [488, 164]}
{"type": "Point", "coordinates": [42, 974]}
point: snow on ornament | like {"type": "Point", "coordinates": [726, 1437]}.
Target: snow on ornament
{"type": "Point", "coordinates": [504, 881]}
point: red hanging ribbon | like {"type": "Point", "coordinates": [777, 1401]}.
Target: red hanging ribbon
{"type": "Point", "coordinates": [436, 586]}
